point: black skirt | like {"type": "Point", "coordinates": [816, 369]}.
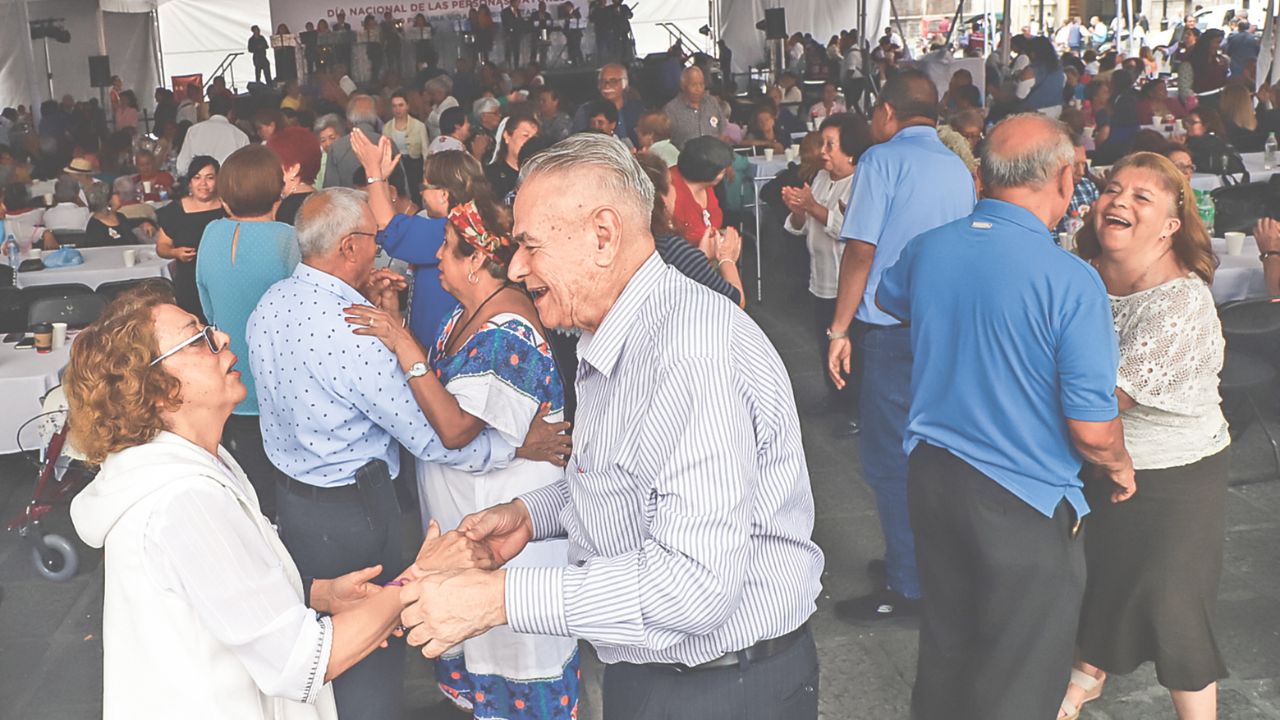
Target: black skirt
{"type": "Point", "coordinates": [1154, 562]}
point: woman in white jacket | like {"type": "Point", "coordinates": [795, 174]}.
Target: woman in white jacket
{"type": "Point", "coordinates": [205, 615]}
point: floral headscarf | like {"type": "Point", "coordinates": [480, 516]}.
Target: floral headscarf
{"type": "Point", "coordinates": [465, 218]}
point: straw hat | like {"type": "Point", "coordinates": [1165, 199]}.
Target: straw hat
{"type": "Point", "coordinates": [78, 166]}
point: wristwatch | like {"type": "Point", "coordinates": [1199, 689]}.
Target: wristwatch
{"type": "Point", "coordinates": [1269, 253]}
{"type": "Point", "coordinates": [833, 335]}
{"type": "Point", "coordinates": [372, 180]}
{"type": "Point", "coordinates": [417, 370]}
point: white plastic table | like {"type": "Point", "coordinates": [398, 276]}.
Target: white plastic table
{"type": "Point", "coordinates": [25, 377]}
{"type": "Point", "coordinates": [101, 265]}
{"type": "Point", "coordinates": [1252, 162]}
{"type": "Point", "coordinates": [1239, 277]}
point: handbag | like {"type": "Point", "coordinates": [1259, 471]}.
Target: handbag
{"type": "Point", "coordinates": [1238, 206]}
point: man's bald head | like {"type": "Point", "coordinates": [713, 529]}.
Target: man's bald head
{"type": "Point", "coordinates": [913, 97]}
{"type": "Point", "coordinates": [1026, 151]}
{"type": "Point", "coordinates": [692, 84]}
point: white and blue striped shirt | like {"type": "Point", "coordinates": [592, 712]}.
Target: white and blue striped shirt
{"type": "Point", "coordinates": [687, 502]}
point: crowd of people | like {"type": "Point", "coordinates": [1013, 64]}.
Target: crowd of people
{"type": "Point", "coordinates": [461, 267]}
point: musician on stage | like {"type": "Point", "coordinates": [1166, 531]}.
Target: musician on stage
{"type": "Point", "coordinates": [391, 42]}
{"type": "Point", "coordinates": [542, 23]}
{"type": "Point", "coordinates": [258, 47]}
{"type": "Point", "coordinates": [570, 17]}
{"type": "Point", "coordinates": [601, 18]}
{"type": "Point", "coordinates": [513, 30]}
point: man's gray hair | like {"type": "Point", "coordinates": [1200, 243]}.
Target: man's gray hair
{"type": "Point", "coordinates": [358, 116]}
{"type": "Point", "coordinates": [331, 121]}
{"type": "Point", "coordinates": [1035, 165]}
{"type": "Point", "coordinates": [124, 186]}
{"type": "Point", "coordinates": [618, 173]}
{"type": "Point", "coordinates": [326, 217]}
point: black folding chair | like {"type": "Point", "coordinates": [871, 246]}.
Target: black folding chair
{"type": "Point", "coordinates": [69, 238]}
{"type": "Point", "coordinates": [7, 276]}
{"type": "Point", "coordinates": [77, 308]}
{"type": "Point", "coordinates": [13, 310]}
{"type": "Point", "coordinates": [1252, 331]}
{"type": "Point", "coordinates": [112, 290]}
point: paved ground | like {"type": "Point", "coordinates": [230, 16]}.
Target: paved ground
{"type": "Point", "coordinates": [51, 653]}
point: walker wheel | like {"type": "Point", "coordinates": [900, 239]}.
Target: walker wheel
{"type": "Point", "coordinates": [57, 560]}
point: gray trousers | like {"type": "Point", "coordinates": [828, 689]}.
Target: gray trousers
{"type": "Point", "coordinates": [781, 687]}
{"type": "Point", "coordinates": [333, 532]}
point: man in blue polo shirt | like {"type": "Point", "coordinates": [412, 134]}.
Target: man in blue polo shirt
{"type": "Point", "coordinates": [907, 184]}
{"type": "Point", "coordinates": [1013, 382]}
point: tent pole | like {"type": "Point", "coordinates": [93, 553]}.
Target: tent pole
{"type": "Point", "coordinates": [1004, 32]}
{"type": "Point", "coordinates": [157, 48]}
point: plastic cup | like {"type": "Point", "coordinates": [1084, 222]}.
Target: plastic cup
{"type": "Point", "coordinates": [768, 154]}
{"type": "Point", "coordinates": [1067, 241]}
{"type": "Point", "coordinates": [791, 154]}
{"type": "Point", "coordinates": [59, 335]}
{"type": "Point", "coordinates": [48, 199]}
{"type": "Point", "coordinates": [146, 186]}
{"type": "Point", "coordinates": [1235, 243]}
{"type": "Point", "coordinates": [130, 257]}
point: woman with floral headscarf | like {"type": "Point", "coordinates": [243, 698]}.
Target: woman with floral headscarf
{"type": "Point", "coordinates": [490, 367]}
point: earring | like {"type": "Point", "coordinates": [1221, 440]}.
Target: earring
{"type": "Point", "coordinates": [471, 277]}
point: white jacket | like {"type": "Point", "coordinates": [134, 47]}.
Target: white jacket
{"type": "Point", "coordinates": [178, 637]}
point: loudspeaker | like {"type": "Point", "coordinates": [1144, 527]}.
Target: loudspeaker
{"type": "Point", "coordinates": [775, 23]}
{"type": "Point", "coordinates": [99, 71]}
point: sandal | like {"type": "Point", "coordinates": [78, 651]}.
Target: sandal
{"type": "Point", "coordinates": [1092, 687]}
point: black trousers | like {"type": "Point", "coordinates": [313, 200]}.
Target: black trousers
{"type": "Point", "coordinates": [242, 437]}
{"type": "Point", "coordinates": [1002, 591]}
{"type": "Point", "coordinates": [333, 532]}
{"type": "Point", "coordinates": [262, 69]}
{"type": "Point", "coordinates": [824, 311]}
{"type": "Point", "coordinates": [782, 687]}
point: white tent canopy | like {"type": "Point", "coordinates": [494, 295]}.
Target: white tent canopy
{"type": "Point", "coordinates": [194, 36]}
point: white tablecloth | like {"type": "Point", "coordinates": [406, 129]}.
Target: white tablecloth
{"type": "Point", "coordinates": [1252, 162]}
{"type": "Point", "coordinates": [103, 264]}
{"type": "Point", "coordinates": [25, 377]}
{"type": "Point", "coordinates": [769, 168]}
{"type": "Point", "coordinates": [1239, 277]}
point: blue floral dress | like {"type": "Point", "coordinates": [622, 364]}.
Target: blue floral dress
{"type": "Point", "coordinates": [503, 374]}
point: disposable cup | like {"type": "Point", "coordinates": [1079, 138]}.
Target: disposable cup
{"type": "Point", "coordinates": [130, 257]}
{"type": "Point", "coordinates": [59, 335]}
{"type": "Point", "coordinates": [1235, 243]}
{"type": "Point", "coordinates": [768, 154]}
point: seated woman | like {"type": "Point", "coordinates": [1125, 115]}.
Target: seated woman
{"type": "Point", "coordinates": [1236, 106]}
{"type": "Point", "coordinates": [492, 368]}
{"type": "Point", "coordinates": [23, 219]}
{"type": "Point", "coordinates": [204, 612]}
{"type": "Point", "coordinates": [654, 133]}
{"type": "Point", "coordinates": [1154, 560]}
{"type": "Point", "coordinates": [1154, 103]}
{"type": "Point", "coordinates": [240, 257]}
{"type": "Point", "coordinates": [764, 132]}
{"type": "Point", "coordinates": [1206, 137]}
{"type": "Point", "coordinates": [721, 248]}
{"type": "Point", "coordinates": [830, 104]}
{"type": "Point", "coordinates": [106, 225]}
{"type": "Point", "coordinates": [182, 223]}
{"type": "Point", "coordinates": [701, 167]}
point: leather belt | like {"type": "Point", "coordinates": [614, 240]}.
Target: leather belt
{"type": "Point", "coordinates": [343, 494]}
{"type": "Point", "coordinates": [742, 658]}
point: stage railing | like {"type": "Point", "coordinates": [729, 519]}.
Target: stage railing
{"type": "Point", "coordinates": [228, 66]}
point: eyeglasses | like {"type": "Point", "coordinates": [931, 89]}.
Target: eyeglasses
{"type": "Point", "coordinates": [366, 234]}
{"type": "Point", "coordinates": [209, 334]}
{"type": "Point", "coordinates": [610, 82]}
{"type": "Point", "coordinates": [1185, 168]}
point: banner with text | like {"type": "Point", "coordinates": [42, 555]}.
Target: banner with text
{"type": "Point", "coordinates": [297, 13]}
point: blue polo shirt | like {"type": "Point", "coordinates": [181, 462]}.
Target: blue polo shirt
{"type": "Point", "coordinates": [903, 187]}
{"type": "Point", "coordinates": [1012, 335]}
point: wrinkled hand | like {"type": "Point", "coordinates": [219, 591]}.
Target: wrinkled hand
{"type": "Point", "coordinates": [728, 245]}
{"type": "Point", "coordinates": [1123, 479]}
{"type": "Point", "coordinates": [546, 442]}
{"type": "Point", "coordinates": [443, 609]}
{"type": "Point", "coordinates": [348, 590]}
{"type": "Point", "coordinates": [1267, 232]}
{"type": "Point", "coordinates": [375, 159]}
{"type": "Point", "coordinates": [804, 196]}
{"type": "Point", "coordinates": [505, 529]}
{"type": "Point", "coordinates": [707, 245]}
{"type": "Point", "coordinates": [450, 551]}
{"type": "Point", "coordinates": [387, 327]}
{"type": "Point", "coordinates": [839, 353]}
{"type": "Point", "coordinates": [383, 289]}
{"type": "Point", "coordinates": [185, 254]}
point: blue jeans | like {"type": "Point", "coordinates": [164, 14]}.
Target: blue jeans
{"type": "Point", "coordinates": [885, 400]}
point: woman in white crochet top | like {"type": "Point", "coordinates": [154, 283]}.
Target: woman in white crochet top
{"type": "Point", "coordinates": [1154, 561]}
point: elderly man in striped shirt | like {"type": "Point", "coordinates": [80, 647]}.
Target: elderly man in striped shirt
{"type": "Point", "coordinates": [686, 501]}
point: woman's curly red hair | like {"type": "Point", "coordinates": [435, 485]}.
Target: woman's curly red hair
{"type": "Point", "coordinates": [116, 398]}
